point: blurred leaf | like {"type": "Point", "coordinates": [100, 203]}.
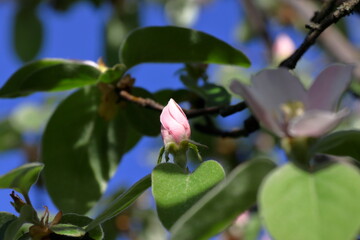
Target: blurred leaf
{"type": "Point", "coordinates": [28, 117]}
{"type": "Point", "coordinates": [342, 143]}
{"type": "Point", "coordinates": [28, 33]}
{"type": "Point", "coordinates": [9, 137]}
{"type": "Point", "coordinates": [315, 206]}
{"type": "Point", "coordinates": [82, 221]}
{"type": "Point", "coordinates": [49, 75]}
{"type": "Point", "coordinates": [176, 44]}
{"type": "Point", "coordinates": [252, 228]}
{"type": "Point", "coordinates": [146, 121]}
{"type": "Point", "coordinates": [27, 215]}
{"type": "Point", "coordinates": [228, 200]}
{"type": "Point", "coordinates": [122, 202]}
{"type": "Point", "coordinates": [183, 13]}
{"type": "Point", "coordinates": [79, 149]}
{"type": "Point", "coordinates": [62, 5]}
{"type": "Point", "coordinates": [22, 178]}
{"type": "Point", "coordinates": [176, 191]}
{"type": "Point", "coordinates": [125, 19]}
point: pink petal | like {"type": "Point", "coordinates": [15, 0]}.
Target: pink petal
{"type": "Point", "coordinates": [174, 124]}
{"type": "Point", "coordinates": [262, 114]}
{"type": "Point", "coordinates": [315, 123]}
{"type": "Point", "coordinates": [328, 87]}
{"type": "Point", "coordinates": [179, 115]}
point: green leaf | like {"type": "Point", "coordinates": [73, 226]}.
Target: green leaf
{"type": "Point", "coordinates": [176, 191]}
{"type": "Point", "coordinates": [49, 75]}
{"type": "Point", "coordinates": [79, 148]}
{"type": "Point", "coordinates": [5, 219]}
{"type": "Point", "coordinates": [228, 200]}
{"type": "Point", "coordinates": [122, 202]}
{"type": "Point", "coordinates": [28, 32]}
{"type": "Point", "coordinates": [180, 95]}
{"type": "Point", "coordinates": [68, 230]}
{"type": "Point", "coordinates": [113, 74]}
{"type": "Point", "coordinates": [80, 222]}
{"type": "Point", "coordinates": [22, 178]}
{"type": "Point", "coordinates": [27, 215]}
{"type": "Point", "coordinates": [146, 121]}
{"type": "Point", "coordinates": [176, 44]}
{"type": "Point", "coordinates": [323, 205]}
{"type": "Point", "coordinates": [342, 143]}
{"type": "Point", "coordinates": [9, 136]}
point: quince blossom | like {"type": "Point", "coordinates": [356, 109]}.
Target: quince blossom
{"type": "Point", "coordinates": [282, 104]}
{"type": "Point", "coordinates": [175, 126]}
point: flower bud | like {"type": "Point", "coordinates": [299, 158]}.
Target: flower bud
{"type": "Point", "coordinates": [283, 47]}
{"type": "Point", "coordinates": [175, 126]}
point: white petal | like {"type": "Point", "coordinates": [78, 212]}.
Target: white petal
{"type": "Point", "coordinates": [277, 86]}
{"type": "Point", "coordinates": [315, 123]}
{"type": "Point", "coordinates": [265, 116]}
{"type": "Point", "coordinates": [328, 87]}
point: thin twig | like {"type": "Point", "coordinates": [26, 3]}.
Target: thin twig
{"type": "Point", "coordinates": [343, 10]}
{"type": "Point", "coordinates": [151, 104]}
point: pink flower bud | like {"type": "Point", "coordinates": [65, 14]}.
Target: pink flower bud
{"type": "Point", "coordinates": [174, 124]}
{"type": "Point", "coordinates": [283, 47]}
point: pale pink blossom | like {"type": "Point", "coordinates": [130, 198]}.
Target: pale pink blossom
{"type": "Point", "coordinates": [282, 104]}
{"type": "Point", "coordinates": [175, 126]}
{"type": "Point", "coordinates": [283, 46]}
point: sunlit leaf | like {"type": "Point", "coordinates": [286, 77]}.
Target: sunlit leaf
{"type": "Point", "coordinates": [228, 200]}
{"type": "Point", "coordinates": [176, 191]}
{"type": "Point", "coordinates": [80, 148]}
{"type": "Point", "coordinates": [176, 44]}
{"type": "Point", "coordinates": [322, 205]}
{"type": "Point", "coordinates": [22, 178]}
{"type": "Point", "coordinates": [49, 75]}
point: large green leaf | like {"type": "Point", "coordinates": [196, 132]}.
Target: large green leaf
{"type": "Point", "coordinates": [176, 191]}
{"type": "Point", "coordinates": [81, 151]}
{"type": "Point", "coordinates": [176, 44]}
{"type": "Point", "coordinates": [122, 202]}
{"type": "Point", "coordinates": [22, 178]}
{"type": "Point", "coordinates": [323, 205]}
{"type": "Point", "coordinates": [49, 75]}
{"type": "Point", "coordinates": [28, 33]}
{"type": "Point", "coordinates": [228, 200]}
{"type": "Point", "coordinates": [343, 143]}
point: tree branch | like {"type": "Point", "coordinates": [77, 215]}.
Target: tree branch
{"type": "Point", "coordinates": [342, 10]}
{"type": "Point", "coordinates": [151, 104]}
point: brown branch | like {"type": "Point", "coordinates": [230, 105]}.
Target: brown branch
{"type": "Point", "coordinates": [326, 9]}
{"type": "Point", "coordinates": [144, 102]}
{"type": "Point", "coordinates": [151, 104]}
{"type": "Point", "coordinates": [343, 10]}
